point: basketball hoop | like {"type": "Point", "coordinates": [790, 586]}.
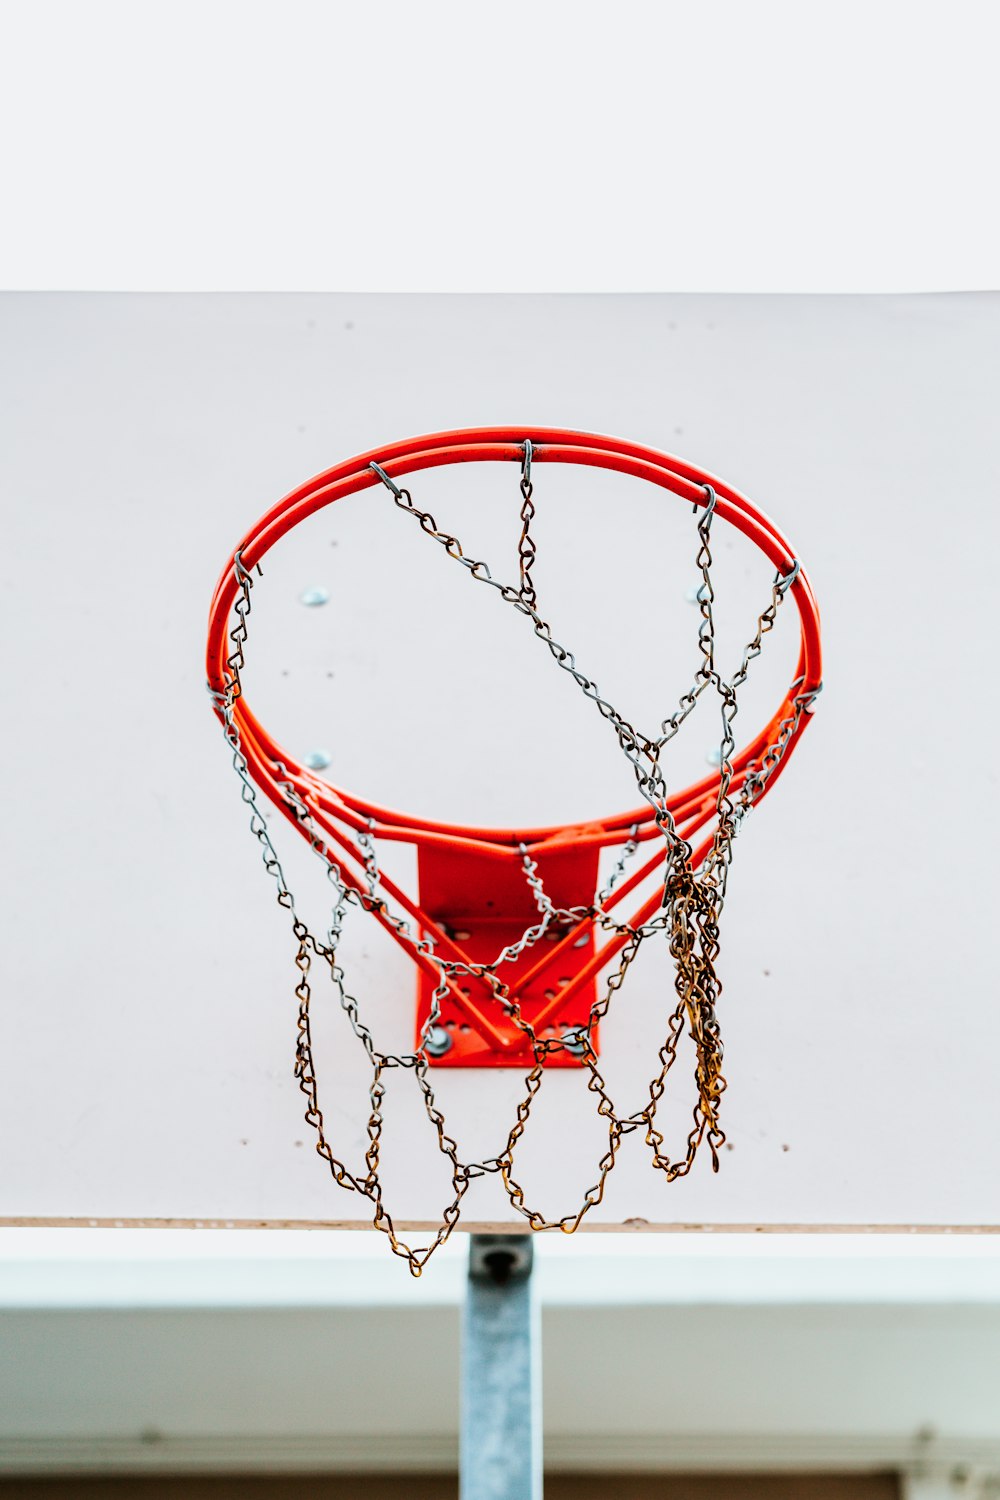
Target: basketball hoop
{"type": "Point", "coordinates": [509, 932]}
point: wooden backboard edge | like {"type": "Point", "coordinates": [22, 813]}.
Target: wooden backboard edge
{"type": "Point", "coordinates": [630, 1226]}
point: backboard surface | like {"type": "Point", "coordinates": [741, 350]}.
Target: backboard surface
{"type": "Point", "coordinates": [148, 973]}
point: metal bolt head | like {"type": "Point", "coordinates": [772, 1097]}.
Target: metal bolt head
{"type": "Point", "coordinates": [575, 1041]}
{"type": "Point", "coordinates": [314, 597]}
{"type": "Point", "coordinates": [437, 1041]}
{"type": "Point", "coordinates": [317, 760]}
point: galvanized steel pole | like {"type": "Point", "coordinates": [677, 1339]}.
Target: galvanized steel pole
{"type": "Point", "coordinates": [501, 1420]}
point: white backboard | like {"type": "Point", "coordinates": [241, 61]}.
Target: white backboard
{"type": "Point", "coordinates": [147, 972]}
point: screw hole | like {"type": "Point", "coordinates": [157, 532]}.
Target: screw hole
{"type": "Point", "coordinates": [499, 1263]}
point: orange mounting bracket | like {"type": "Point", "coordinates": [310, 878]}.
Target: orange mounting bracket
{"type": "Point", "coordinates": [482, 904]}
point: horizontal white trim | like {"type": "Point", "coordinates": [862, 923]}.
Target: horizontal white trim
{"type": "Point", "coordinates": [590, 1281]}
{"type": "Point", "coordinates": [76, 1240]}
{"type": "Point", "coordinates": [243, 1269]}
{"type": "Point", "coordinates": [421, 1452]}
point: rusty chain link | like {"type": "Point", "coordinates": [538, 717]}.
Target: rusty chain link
{"type": "Point", "coordinates": [688, 917]}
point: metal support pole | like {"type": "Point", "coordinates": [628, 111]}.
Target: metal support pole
{"type": "Point", "coordinates": [501, 1423]}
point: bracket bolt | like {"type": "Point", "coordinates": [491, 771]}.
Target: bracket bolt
{"type": "Point", "coordinates": [314, 597]}
{"type": "Point", "coordinates": [575, 1041]}
{"type": "Point", "coordinates": [437, 1041]}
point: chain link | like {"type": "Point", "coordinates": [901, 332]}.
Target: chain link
{"type": "Point", "coordinates": [688, 916]}
{"type": "Point", "coordinates": [526, 550]}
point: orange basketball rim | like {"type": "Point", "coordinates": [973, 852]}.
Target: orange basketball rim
{"type": "Point", "coordinates": [473, 895]}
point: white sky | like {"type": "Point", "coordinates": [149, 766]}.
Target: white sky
{"type": "Point", "coordinates": [649, 145]}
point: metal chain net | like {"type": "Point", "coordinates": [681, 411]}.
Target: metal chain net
{"type": "Point", "coordinates": [687, 920]}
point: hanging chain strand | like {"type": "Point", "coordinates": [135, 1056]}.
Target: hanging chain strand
{"type": "Point", "coordinates": [526, 549]}
{"type": "Point", "coordinates": [688, 918]}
